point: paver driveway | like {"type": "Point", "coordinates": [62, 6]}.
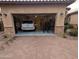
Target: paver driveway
{"type": "Point", "coordinates": [51, 47]}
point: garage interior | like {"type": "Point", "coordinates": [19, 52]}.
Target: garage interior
{"type": "Point", "coordinates": [40, 23]}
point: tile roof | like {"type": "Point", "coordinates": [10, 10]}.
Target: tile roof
{"type": "Point", "coordinates": [34, 1]}
{"type": "Point", "coordinates": [39, 0]}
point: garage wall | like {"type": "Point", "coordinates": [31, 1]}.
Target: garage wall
{"type": "Point", "coordinates": [13, 9]}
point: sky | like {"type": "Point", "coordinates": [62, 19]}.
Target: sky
{"type": "Point", "coordinates": [73, 6]}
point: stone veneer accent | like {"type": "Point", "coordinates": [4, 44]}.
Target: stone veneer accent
{"type": "Point", "coordinates": [59, 30]}
{"type": "Point", "coordinates": [9, 31]}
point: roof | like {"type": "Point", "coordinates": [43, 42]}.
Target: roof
{"type": "Point", "coordinates": [73, 7]}
{"type": "Point", "coordinates": [35, 1]}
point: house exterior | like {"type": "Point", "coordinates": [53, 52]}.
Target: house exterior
{"type": "Point", "coordinates": [31, 9]}
{"type": "Point", "coordinates": [72, 13]}
{"type": "Point", "coordinates": [73, 18]}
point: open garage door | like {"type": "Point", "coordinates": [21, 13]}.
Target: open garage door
{"type": "Point", "coordinates": [34, 23]}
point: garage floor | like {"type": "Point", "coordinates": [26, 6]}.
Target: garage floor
{"type": "Point", "coordinates": [34, 34]}
{"type": "Point", "coordinates": [37, 47]}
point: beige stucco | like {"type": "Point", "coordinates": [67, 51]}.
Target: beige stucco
{"type": "Point", "coordinates": [24, 9]}
{"type": "Point", "coordinates": [74, 18]}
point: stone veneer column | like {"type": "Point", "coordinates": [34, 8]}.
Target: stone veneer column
{"type": "Point", "coordinates": [59, 25]}
{"type": "Point", "coordinates": [8, 24]}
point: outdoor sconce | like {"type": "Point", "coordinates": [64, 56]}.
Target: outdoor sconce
{"type": "Point", "coordinates": [5, 14]}
{"type": "Point", "coordinates": [61, 14]}
{"type": "Point", "coordinates": [68, 9]}
{"type": "Point", "coordinates": [35, 16]}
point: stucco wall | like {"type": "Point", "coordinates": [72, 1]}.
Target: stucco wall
{"type": "Point", "coordinates": [23, 9]}
{"type": "Point", "coordinates": [74, 18]}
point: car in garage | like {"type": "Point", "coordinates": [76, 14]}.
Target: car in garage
{"type": "Point", "coordinates": [27, 25]}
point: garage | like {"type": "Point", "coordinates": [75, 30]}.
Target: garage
{"type": "Point", "coordinates": [34, 23]}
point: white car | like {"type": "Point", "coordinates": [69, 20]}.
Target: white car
{"type": "Point", "coordinates": [27, 25]}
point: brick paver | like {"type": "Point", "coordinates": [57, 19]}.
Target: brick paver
{"type": "Point", "coordinates": [51, 47]}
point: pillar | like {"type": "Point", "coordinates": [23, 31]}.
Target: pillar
{"type": "Point", "coordinates": [59, 25]}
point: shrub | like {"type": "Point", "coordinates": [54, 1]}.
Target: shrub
{"type": "Point", "coordinates": [71, 29]}
{"type": "Point", "coordinates": [74, 32]}
{"type": "Point", "coordinates": [68, 26]}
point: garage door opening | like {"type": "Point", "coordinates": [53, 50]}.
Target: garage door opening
{"type": "Point", "coordinates": [34, 23]}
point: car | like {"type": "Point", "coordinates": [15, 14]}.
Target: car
{"type": "Point", "coordinates": [27, 25]}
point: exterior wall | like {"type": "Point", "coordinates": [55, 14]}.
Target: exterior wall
{"type": "Point", "coordinates": [74, 19]}
{"type": "Point", "coordinates": [23, 9]}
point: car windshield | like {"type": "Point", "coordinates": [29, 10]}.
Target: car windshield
{"type": "Point", "coordinates": [27, 22]}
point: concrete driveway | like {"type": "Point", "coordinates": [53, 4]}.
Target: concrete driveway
{"type": "Point", "coordinates": [50, 47]}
